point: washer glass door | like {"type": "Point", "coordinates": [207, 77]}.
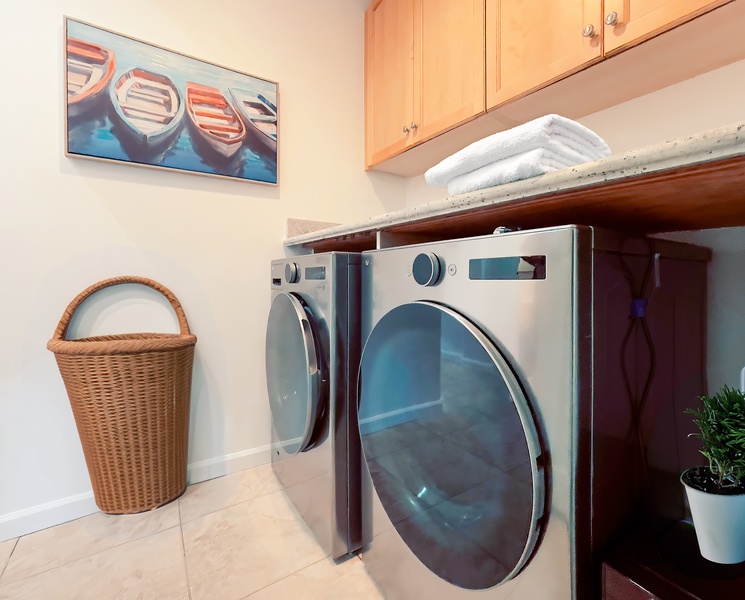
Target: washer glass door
{"type": "Point", "coordinates": [451, 445]}
{"type": "Point", "coordinates": [293, 374]}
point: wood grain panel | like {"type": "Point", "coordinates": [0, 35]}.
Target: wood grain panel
{"type": "Point", "coordinates": [449, 64]}
{"type": "Point", "coordinates": [698, 46]}
{"type": "Point", "coordinates": [389, 76]}
{"type": "Point", "coordinates": [699, 196]}
{"type": "Point", "coordinates": [531, 43]}
{"type": "Point", "coordinates": [639, 20]}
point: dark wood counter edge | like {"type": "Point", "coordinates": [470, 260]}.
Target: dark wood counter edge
{"type": "Point", "coordinates": [687, 184]}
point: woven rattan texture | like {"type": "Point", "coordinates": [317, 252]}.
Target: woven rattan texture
{"type": "Point", "coordinates": [130, 395]}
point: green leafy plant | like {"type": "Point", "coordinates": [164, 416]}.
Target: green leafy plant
{"type": "Point", "coordinates": [721, 421]}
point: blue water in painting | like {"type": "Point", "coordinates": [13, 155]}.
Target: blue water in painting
{"type": "Point", "coordinates": [94, 134]}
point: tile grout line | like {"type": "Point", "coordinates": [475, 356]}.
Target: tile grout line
{"type": "Point", "coordinates": [326, 557]}
{"type": "Point", "coordinates": [4, 570]}
{"type": "Point", "coordinates": [183, 549]}
{"type": "Point", "coordinates": [87, 556]}
{"type": "Point", "coordinates": [7, 562]}
{"type": "Point", "coordinates": [228, 505]}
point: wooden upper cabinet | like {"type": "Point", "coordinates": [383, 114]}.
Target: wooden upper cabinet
{"type": "Point", "coordinates": [424, 71]}
{"type": "Point", "coordinates": [450, 64]}
{"type": "Point", "coordinates": [531, 43]}
{"type": "Point", "coordinates": [627, 22]}
{"type": "Point", "coordinates": [431, 65]}
{"type": "Point", "coordinates": [389, 77]}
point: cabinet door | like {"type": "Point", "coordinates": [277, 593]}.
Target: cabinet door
{"type": "Point", "coordinates": [448, 64]}
{"type": "Point", "coordinates": [632, 21]}
{"type": "Point", "coordinates": [389, 77]}
{"type": "Point", "coordinates": [531, 43]}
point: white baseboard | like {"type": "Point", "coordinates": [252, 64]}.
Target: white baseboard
{"type": "Point", "coordinates": [228, 463]}
{"type": "Point", "coordinates": [38, 517]}
{"type": "Point", "coordinates": [35, 518]}
{"type": "Point", "coordinates": [396, 417]}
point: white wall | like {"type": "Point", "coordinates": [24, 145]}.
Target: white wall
{"type": "Point", "coordinates": [711, 100]}
{"type": "Point", "coordinates": [726, 302]}
{"type": "Point", "coordinates": [67, 223]}
{"type": "Point", "coordinates": [705, 102]}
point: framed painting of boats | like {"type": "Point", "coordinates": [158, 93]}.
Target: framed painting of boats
{"type": "Point", "coordinates": [137, 103]}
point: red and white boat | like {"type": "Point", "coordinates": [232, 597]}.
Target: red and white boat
{"type": "Point", "coordinates": [90, 68]}
{"type": "Point", "coordinates": [213, 120]}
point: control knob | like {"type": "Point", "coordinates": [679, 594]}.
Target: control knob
{"type": "Point", "coordinates": [427, 268]}
{"type": "Point", "coordinates": [292, 273]}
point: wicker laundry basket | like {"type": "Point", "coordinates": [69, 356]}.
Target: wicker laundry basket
{"type": "Point", "coordinates": [130, 396]}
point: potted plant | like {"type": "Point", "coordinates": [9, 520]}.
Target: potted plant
{"type": "Point", "coordinates": [716, 493]}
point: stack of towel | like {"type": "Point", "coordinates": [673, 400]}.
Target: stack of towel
{"type": "Point", "coordinates": [545, 144]}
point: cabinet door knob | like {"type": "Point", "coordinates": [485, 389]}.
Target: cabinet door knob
{"type": "Point", "coordinates": [611, 18]}
{"type": "Point", "coordinates": [406, 129]}
{"type": "Point", "coordinates": [413, 125]}
{"type": "Point", "coordinates": [588, 31]}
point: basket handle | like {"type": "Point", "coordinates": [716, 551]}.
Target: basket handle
{"type": "Point", "coordinates": [64, 323]}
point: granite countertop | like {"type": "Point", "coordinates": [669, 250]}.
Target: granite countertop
{"type": "Point", "coordinates": [695, 182]}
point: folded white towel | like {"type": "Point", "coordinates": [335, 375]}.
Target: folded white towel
{"type": "Point", "coordinates": [523, 138]}
{"type": "Point", "coordinates": [514, 168]}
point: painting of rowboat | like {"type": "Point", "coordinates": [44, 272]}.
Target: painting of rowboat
{"type": "Point", "coordinates": [214, 120]}
{"type": "Point", "coordinates": [89, 70]}
{"type": "Point", "coordinates": [136, 103]}
{"type": "Point", "coordinates": [147, 107]}
{"type": "Point", "coordinates": [259, 115]}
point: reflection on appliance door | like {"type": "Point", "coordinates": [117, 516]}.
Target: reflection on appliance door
{"type": "Point", "coordinates": [293, 374]}
{"type": "Point", "coordinates": [451, 445]}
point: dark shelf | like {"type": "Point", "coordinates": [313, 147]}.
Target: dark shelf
{"type": "Point", "coordinates": [666, 562]}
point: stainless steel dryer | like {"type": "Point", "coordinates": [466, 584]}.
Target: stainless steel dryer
{"type": "Point", "coordinates": [494, 419]}
{"type": "Point", "coordinates": [312, 353]}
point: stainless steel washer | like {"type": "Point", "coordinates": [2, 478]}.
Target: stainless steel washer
{"type": "Point", "coordinates": [492, 409]}
{"type": "Point", "coordinates": [312, 353]}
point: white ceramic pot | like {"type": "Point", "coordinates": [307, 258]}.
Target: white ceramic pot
{"type": "Point", "coordinates": [719, 521]}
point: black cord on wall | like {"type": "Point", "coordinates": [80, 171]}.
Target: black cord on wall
{"type": "Point", "coordinates": [640, 296]}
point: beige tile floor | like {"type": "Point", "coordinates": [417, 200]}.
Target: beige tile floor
{"type": "Point", "coordinates": [231, 538]}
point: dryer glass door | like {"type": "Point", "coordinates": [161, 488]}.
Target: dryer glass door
{"type": "Point", "coordinates": [293, 374]}
{"type": "Point", "coordinates": [451, 445]}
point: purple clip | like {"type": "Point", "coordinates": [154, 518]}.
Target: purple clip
{"type": "Point", "coordinates": [638, 307]}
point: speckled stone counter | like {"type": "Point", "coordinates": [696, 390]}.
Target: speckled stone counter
{"type": "Point", "coordinates": [696, 182]}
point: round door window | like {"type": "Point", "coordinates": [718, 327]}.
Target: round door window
{"type": "Point", "coordinates": [292, 373]}
{"type": "Point", "coordinates": [451, 445]}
